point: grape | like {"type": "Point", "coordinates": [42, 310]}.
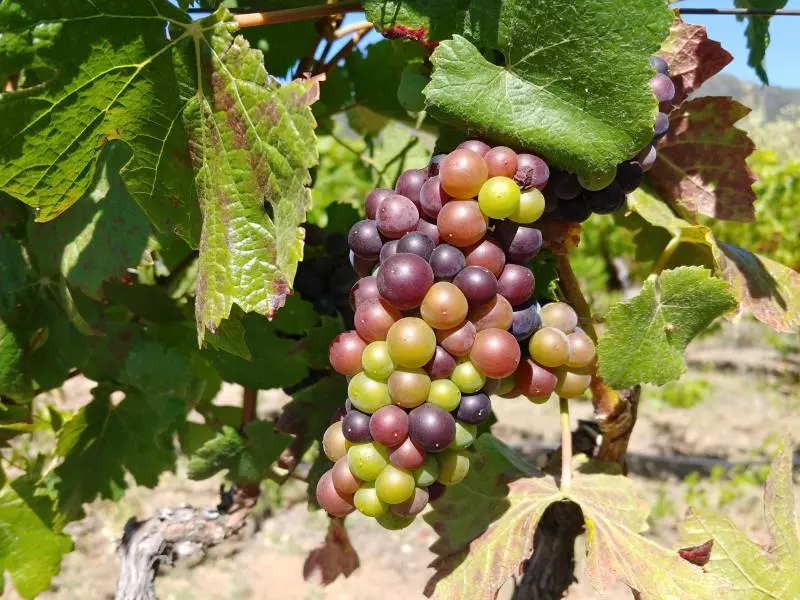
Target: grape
{"type": "Point", "coordinates": [661, 125]}
{"type": "Point", "coordinates": [397, 215]}
{"type": "Point", "coordinates": [532, 172]}
{"type": "Point", "coordinates": [444, 394]}
{"type": "Point", "coordinates": [376, 361]}
{"type": "Point", "coordinates": [394, 485]}
{"type": "Point", "coordinates": [435, 163]}
{"type": "Point", "coordinates": [435, 491]}
{"type": "Point", "coordinates": [581, 350]}
{"type": "Point", "coordinates": [343, 479]}
{"type": "Point", "coordinates": [416, 243]}
{"type": "Point", "coordinates": [458, 340]}
{"type": "Point", "coordinates": [461, 223]}
{"type": "Point", "coordinates": [410, 183]}
{"type": "Point", "coordinates": [355, 426]}
{"type": "Point", "coordinates": [501, 161]}
{"type": "Point", "coordinates": [487, 254]}
{"type": "Point", "coordinates": [530, 209]}
{"type": "Point", "coordinates": [441, 365]}
{"type": "Point", "coordinates": [663, 88]}
{"type": "Point", "coordinates": [444, 306]}
{"type": "Point", "coordinates": [659, 65]}
{"type": "Point", "coordinates": [474, 408]}
{"type": "Point", "coordinates": [607, 200]}
{"type": "Point", "coordinates": [507, 387]}
{"type": "Point", "coordinates": [365, 240]}
{"type": "Point", "coordinates": [559, 315]}
{"type": "Point", "coordinates": [432, 197]}
{"type": "Point", "coordinates": [467, 377]}
{"type": "Point", "coordinates": [520, 243]}
{"type": "Point", "coordinates": [647, 157]}
{"type": "Point", "coordinates": [525, 321]}
{"type": "Point", "coordinates": [429, 471]}
{"type": "Point", "coordinates": [404, 279]}
{"type": "Point", "coordinates": [367, 394]}
{"type": "Point", "coordinates": [465, 436]}
{"type": "Point", "coordinates": [330, 500]}
{"type": "Point", "coordinates": [362, 266]}
{"type": "Point", "coordinates": [366, 461]}
{"type": "Point", "coordinates": [477, 146]}
{"type": "Point", "coordinates": [334, 444]}
{"type": "Point", "coordinates": [565, 186]}
{"type": "Point", "coordinates": [409, 388]}
{"type": "Point", "coordinates": [364, 290]}
{"type": "Point", "coordinates": [345, 352]}
{"type": "Point", "coordinates": [389, 426]}
{"type": "Point", "coordinates": [535, 381]}
{"type": "Point", "coordinates": [446, 262]}
{"type": "Point", "coordinates": [431, 427]}
{"type": "Point", "coordinates": [629, 176]}
{"type": "Point", "coordinates": [495, 353]}
{"type": "Point", "coordinates": [407, 455]}
{"type": "Point", "coordinates": [411, 342]}
{"type": "Point", "coordinates": [429, 229]}
{"type": "Point", "coordinates": [373, 319]}
{"type": "Point", "coordinates": [516, 284]}
{"type": "Point", "coordinates": [499, 197]}
{"type": "Point", "coordinates": [368, 502]}
{"type": "Point", "coordinates": [414, 505]}
{"type": "Point", "coordinates": [597, 181]}
{"type": "Point", "coordinates": [453, 466]}
{"type": "Point", "coordinates": [392, 521]}
{"type": "Point", "coordinates": [549, 347]}
{"type": "Point", "coordinates": [496, 313]}
{"type": "Point", "coordinates": [462, 174]}
{"type": "Point", "coordinates": [573, 211]}
{"type": "Point", "coordinates": [571, 384]}
{"type": "Point", "coordinates": [374, 199]}
{"type": "Point", "coordinates": [478, 285]}
{"type": "Point", "coordinates": [388, 250]}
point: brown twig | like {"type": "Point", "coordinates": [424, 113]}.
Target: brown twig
{"type": "Point", "coordinates": [361, 27]}
{"type": "Point", "coordinates": [343, 52]}
{"type": "Point", "coordinates": [249, 405]}
{"type": "Point", "coordinates": [295, 14]}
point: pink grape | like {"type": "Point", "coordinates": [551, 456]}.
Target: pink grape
{"type": "Point", "coordinates": [404, 279]}
{"type": "Point", "coordinates": [374, 199]}
{"type": "Point", "coordinates": [331, 501]}
{"type": "Point", "coordinates": [344, 353]}
{"type": "Point", "coordinates": [463, 173]}
{"type": "Point", "coordinates": [516, 284]}
{"type": "Point", "coordinates": [410, 183]}
{"type": "Point", "coordinates": [397, 215]}
{"type": "Point", "coordinates": [389, 426]}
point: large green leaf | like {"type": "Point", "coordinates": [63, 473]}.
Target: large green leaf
{"type": "Point", "coordinates": [15, 273]}
{"type": "Point", "coordinates": [757, 33]}
{"type": "Point", "coordinates": [14, 378]}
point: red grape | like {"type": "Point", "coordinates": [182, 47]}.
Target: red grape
{"type": "Point", "coordinates": [414, 505]}
{"type": "Point", "coordinates": [446, 262]}
{"type": "Point", "coordinates": [364, 290]}
{"type": "Point", "coordinates": [477, 146]}
{"type": "Point", "coordinates": [501, 161]}
{"type": "Point", "coordinates": [404, 279]}
{"type": "Point", "coordinates": [458, 340]}
{"type": "Point", "coordinates": [441, 365]}
{"type": "Point", "coordinates": [444, 306]}
{"type": "Point", "coordinates": [516, 284]}
{"type": "Point", "coordinates": [477, 284]}
{"type": "Point", "coordinates": [487, 254]}
{"type": "Point", "coordinates": [389, 426]}
{"type": "Point", "coordinates": [410, 183]}
{"type": "Point", "coordinates": [496, 313]}
{"type": "Point", "coordinates": [407, 455]}
{"type": "Point", "coordinates": [397, 215]}
{"type": "Point", "coordinates": [374, 199]}
{"type": "Point", "coordinates": [520, 243]}
{"type": "Point", "coordinates": [431, 427]}
{"type": "Point", "coordinates": [534, 380]}
{"type": "Point", "coordinates": [343, 479]}
{"type": "Point", "coordinates": [532, 172]}
{"type": "Point", "coordinates": [331, 501]}
{"type": "Point", "coordinates": [345, 352]}
{"type": "Point", "coordinates": [432, 197]}
{"type": "Point", "coordinates": [495, 353]}
{"type": "Point", "coordinates": [388, 250]}
{"type": "Point", "coordinates": [374, 318]}
{"type": "Point", "coordinates": [429, 229]}
{"type": "Point", "coordinates": [463, 173]}
{"type": "Point", "coordinates": [355, 426]}
{"type": "Point", "coordinates": [606, 201]}
{"type": "Point", "coordinates": [461, 223]}
{"type": "Point", "coordinates": [416, 243]}
{"type": "Point", "coordinates": [365, 240]}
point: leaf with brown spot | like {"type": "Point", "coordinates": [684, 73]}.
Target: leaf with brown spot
{"type": "Point", "coordinates": [701, 165]}
{"type": "Point", "coordinates": [335, 557]}
{"type": "Point", "coordinates": [697, 555]}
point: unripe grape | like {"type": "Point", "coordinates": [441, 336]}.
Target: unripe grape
{"type": "Point", "coordinates": [409, 387]}
{"type": "Point", "coordinates": [444, 394]}
{"type": "Point", "coordinates": [368, 502]}
{"type": "Point", "coordinates": [453, 466]}
{"type": "Point", "coordinates": [597, 181]}
{"type": "Point", "coordinates": [334, 444]}
{"type": "Point", "coordinates": [427, 474]}
{"type": "Point", "coordinates": [462, 174]}
{"type": "Point", "coordinates": [411, 342]}
{"type": "Point", "coordinates": [343, 479]}
{"type": "Point", "coordinates": [330, 500]}
{"type": "Point", "coordinates": [497, 313]}
{"type": "Point", "coordinates": [549, 347]}
{"type": "Point", "coordinates": [394, 485]}
{"type": "Point", "coordinates": [501, 161]}
{"type": "Point", "coordinates": [408, 455]}
{"type": "Point", "coordinates": [467, 377]}
{"type": "Point", "coordinates": [530, 209]}
{"type": "Point", "coordinates": [465, 436]}
{"type": "Point", "coordinates": [345, 353]}
{"type": "Point", "coordinates": [487, 254]}
{"type": "Point", "coordinates": [414, 505]}
{"type": "Point", "coordinates": [367, 394]}
{"type": "Point", "coordinates": [393, 521]}
{"type": "Point", "coordinates": [581, 350]}
{"type": "Point", "coordinates": [499, 197]}
{"type": "Point", "coordinates": [559, 315]}
{"type": "Point", "coordinates": [366, 461]}
{"type": "Point", "coordinates": [458, 340]}
{"type": "Point", "coordinates": [495, 353]}
{"type": "Point", "coordinates": [572, 384]}
{"type": "Point", "coordinates": [373, 319]}
{"type": "Point", "coordinates": [535, 381]}
{"type": "Point", "coordinates": [376, 361]}
{"type": "Point", "coordinates": [461, 223]}
{"type": "Point", "coordinates": [389, 426]}
{"type": "Point", "coordinates": [444, 306]}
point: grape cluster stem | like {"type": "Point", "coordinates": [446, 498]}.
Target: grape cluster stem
{"type": "Point", "coordinates": [566, 446]}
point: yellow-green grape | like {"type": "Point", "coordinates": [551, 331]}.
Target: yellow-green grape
{"type": "Point", "coordinates": [334, 444]}
{"type": "Point", "coordinates": [367, 460]}
{"type": "Point", "coordinates": [538, 399]}
{"type": "Point", "coordinates": [571, 384]}
{"type": "Point", "coordinates": [367, 501]}
{"type": "Point", "coordinates": [499, 197]}
{"type": "Point", "coordinates": [531, 207]}
{"type": "Point", "coordinates": [465, 436]}
{"type": "Point", "coordinates": [444, 394]}
{"type": "Point", "coordinates": [428, 472]}
{"type": "Point", "coordinates": [394, 485]}
{"type": "Point", "coordinates": [597, 181]}
{"type": "Point", "coordinates": [549, 347]}
{"type": "Point", "coordinates": [506, 385]}
{"type": "Point", "coordinates": [453, 466]}
{"type": "Point", "coordinates": [412, 342]}
{"type": "Point", "coordinates": [367, 394]}
{"type": "Point", "coordinates": [581, 350]}
{"type": "Point", "coordinates": [559, 315]}
{"type": "Point", "coordinates": [376, 361]}
{"type": "Point", "coordinates": [467, 377]}
{"type": "Point", "coordinates": [393, 521]}
{"type": "Point", "coordinates": [409, 387]}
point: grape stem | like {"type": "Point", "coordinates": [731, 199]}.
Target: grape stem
{"type": "Point", "coordinates": [295, 14]}
{"type": "Point", "coordinates": [566, 446]}
{"type": "Point", "coordinates": [666, 255]}
{"type": "Point", "coordinates": [571, 290]}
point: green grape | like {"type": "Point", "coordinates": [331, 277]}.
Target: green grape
{"type": "Point", "coordinates": [581, 349]}
{"type": "Point", "coordinates": [499, 197]}
{"type": "Point", "coordinates": [531, 207]}
{"type": "Point", "coordinates": [412, 342]}
{"type": "Point", "coordinates": [376, 361]}
{"type": "Point", "coordinates": [368, 502]}
{"type": "Point", "coordinates": [367, 460]}
{"type": "Point", "coordinates": [444, 394]}
{"type": "Point", "coordinates": [571, 384]}
{"type": "Point", "coordinates": [394, 485]}
{"type": "Point", "coordinates": [393, 521]}
{"type": "Point", "coordinates": [467, 377]}
{"type": "Point", "coordinates": [428, 472]}
{"type": "Point", "coordinates": [367, 394]}
{"type": "Point", "coordinates": [409, 387]}
{"type": "Point", "coordinates": [465, 436]}
{"type": "Point", "coordinates": [597, 181]}
{"type": "Point", "coordinates": [453, 466]}
{"type": "Point", "coordinates": [549, 347]}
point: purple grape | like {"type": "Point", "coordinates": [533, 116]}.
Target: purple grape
{"type": "Point", "coordinates": [662, 125]}
{"type": "Point", "coordinates": [479, 285]}
{"type": "Point", "coordinates": [663, 88]}
{"type": "Point", "coordinates": [525, 321]}
{"type": "Point", "coordinates": [416, 243]}
{"type": "Point", "coordinates": [516, 284]}
{"type": "Point", "coordinates": [435, 491]}
{"type": "Point", "coordinates": [447, 262]}
{"type": "Point", "coordinates": [429, 229]}
{"type": "Point", "coordinates": [629, 176]}
{"type": "Point", "coordinates": [431, 427]}
{"type": "Point", "coordinates": [433, 165]}
{"type": "Point", "coordinates": [647, 157]}
{"type": "Point", "coordinates": [659, 65]}
{"type": "Point", "coordinates": [574, 211]}
{"type": "Point", "coordinates": [397, 215]}
{"type": "Point", "coordinates": [564, 185]}
{"type": "Point", "coordinates": [365, 240]}
{"type": "Point", "coordinates": [520, 243]}
{"type": "Point", "coordinates": [362, 266]}
{"type": "Point", "coordinates": [441, 365]}
{"type": "Point", "coordinates": [404, 279]}
{"type": "Point", "coordinates": [410, 183]}
{"type": "Point", "coordinates": [355, 426]}
{"type": "Point", "coordinates": [474, 408]}
{"type": "Point", "coordinates": [432, 197]}
{"type": "Point", "coordinates": [606, 201]}
{"type": "Point", "coordinates": [388, 250]}
{"type": "Point", "coordinates": [374, 199]}
{"type": "Point", "coordinates": [532, 172]}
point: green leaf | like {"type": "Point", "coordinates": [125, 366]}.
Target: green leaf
{"type": "Point", "coordinates": [296, 317]}
{"type": "Point", "coordinates": [252, 146]}
{"type": "Point", "coordinates": [14, 378]}
{"type": "Point", "coordinates": [230, 337]}
{"type": "Point", "coordinates": [155, 369]}
{"type": "Point", "coordinates": [647, 335]}
{"type": "Point", "coordinates": [15, 275]}
{"type": "Point", "coordinates": [148, 302]}
{"type": "Point", "coordinates": [310, 410]}
{"type": "Point", "coordinates": [757, 33]}
{"type": "Point", "coordinates": [30, 551]}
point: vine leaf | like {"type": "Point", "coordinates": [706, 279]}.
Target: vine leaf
{"type": "Point", "coordinates": [692, 57]}
{"type": "Point", "coordinates": [15, 380]}
{"type": "Point", "coordinates": [701, 164]}
{"type": "Point", "coordinates": [335, 557]}
{"type": "Point", "coordinates": [755, 572]}
{"type": "Point", "coordinates": [646, 336]}
{"type": "Point", "coordinates": [30, 551]}
{"type": "Point", "coordinates": [15, 274]}
{"type": "Point", "coordinates": [757, 33]}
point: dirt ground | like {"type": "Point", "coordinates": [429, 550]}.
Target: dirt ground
{"type": "Point", "coordinates": [745, 409]}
